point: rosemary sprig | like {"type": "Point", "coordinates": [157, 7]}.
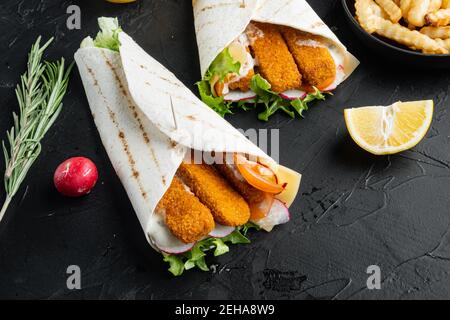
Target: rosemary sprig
{"type": "Point", "coordinates": [39, 94]}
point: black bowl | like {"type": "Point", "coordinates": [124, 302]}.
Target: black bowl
{"type": "Point", "coordinates": [392, 50]}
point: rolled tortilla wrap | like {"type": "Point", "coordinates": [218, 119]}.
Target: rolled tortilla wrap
{"type": "Point", "coordinates": [148, 120]}
{"type": "Point", "coordinates": [219, 23]}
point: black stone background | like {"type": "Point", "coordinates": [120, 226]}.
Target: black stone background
{"type": "Point", "coordinates": [353, 210]}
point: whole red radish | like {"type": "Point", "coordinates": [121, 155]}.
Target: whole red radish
{"type": "Point", "coordinates": [75, 177]}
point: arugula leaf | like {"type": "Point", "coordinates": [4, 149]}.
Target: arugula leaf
{"type": "Point", "coordinates": [108, 37]}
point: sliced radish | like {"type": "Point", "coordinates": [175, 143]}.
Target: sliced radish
{"type": "Point", "coordinates": [237, 95]}
{"type": "Point", "coordinates": [174, 248]}
{"type": "Point", "coordinates": [221, 231]}
{"type": "Point", "coordinates": [163, 239]}
{"type": "Point", "coordinates": [278, 214]}
{"type": "Point", "coordinates": [293, 94]}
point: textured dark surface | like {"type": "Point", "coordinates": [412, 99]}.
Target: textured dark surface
{"type": "Point", "coordinates": [354, 210]}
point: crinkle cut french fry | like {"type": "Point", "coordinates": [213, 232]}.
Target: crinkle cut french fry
{"type": "Point", "coordinates": [445, 4]}
{"type": "Point", "coordinates": [393, 11]}
{"type": "Point", "coordinates": [365, 15]}
{"type": "Point", "coordinates": [444, 43]}
{"type": "Point", "coordinates": [435, 5]}
{"type": "Point", "coordinates": [410, 38]}
{"type": "Point", "coordinates": [377, 11]}
{"type": "Point", "coordinates": [374, 17]}
{"type": "Point", "coordinates": [405, 6]}
{"type": "Point", "coordinates": [436, 32]}
{"type": "Point", "coordinates": [417, 12]}
{"type": "Point", "coordinates": [439, 18]}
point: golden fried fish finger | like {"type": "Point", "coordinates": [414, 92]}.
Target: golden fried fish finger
{"type": "Point", "coordinates": [227, 205]}
{"type": "Point", "coordinates": [275, 62]}
{"type": "Point", "coordinates": [186, 217]}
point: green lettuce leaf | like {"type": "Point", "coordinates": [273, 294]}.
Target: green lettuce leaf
{"type": "Point", "coordinates": [218, 104]}
{"type": "Point", "coordinates": [108, 37]}
{"type": "Point", "coordinates": [302, 105]}
{"type": "Point", "coordinates": [176, 264]}
{"type": "Point", "coordinates": [223, 65]}
{"type": "Point", "coordinates": [262, 87]}
{"type": "Point", "coordinates": [236, 238]}
{"type": "Point", "coordinates": [271, 101]}
{"type": "Point", "coordinates": [249, 225]}
{"type": "Point", "coordinates": [221, 247]}
{"type": "Point", "coordinates": [196, 256]}
{"type": "Point", "coordinates": [266, 99]}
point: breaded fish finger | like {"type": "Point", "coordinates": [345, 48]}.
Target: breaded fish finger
{"type": "Point", "coordinates": [259, 201]}
{"type": "Point", "coordinates": [227, 206]}
{"type": "Point", "coordinates": [244, 83]}
{"type": "Point", "coordinates": [186, 217]}
{"type": "Point", "coordinates": [313, 59]}
{"type": "Point", "coordinates": [275, 62]}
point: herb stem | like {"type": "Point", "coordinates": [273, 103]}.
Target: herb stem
{"type": "Point", "coordinates": [5, 206]}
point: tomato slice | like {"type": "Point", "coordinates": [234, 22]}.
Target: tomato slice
{"type": "Point", "coordinates": [258, 175]}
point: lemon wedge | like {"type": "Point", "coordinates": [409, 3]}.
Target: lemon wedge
{"type": "Point", "coordinates": [391, 129]}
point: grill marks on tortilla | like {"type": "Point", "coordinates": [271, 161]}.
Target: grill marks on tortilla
{"type": "Point", "coordinates": [202, 26]}
{"type": "Point", "coordinates": [282, 7]}
{"type": "Point", "coordinates": [170, 94]}
{"type": "Point", "coordinates": [153, 73]}
{"type": "Point", "coordinates": [223, 4]}
{"type": "Point", "coordinates": [121, 134]}
{"type": "Point", "coordinates": [126, 148]}
{"type": "Point", "coordinates": [134, 111]}
{"type": "Point", "coordinates": [92, 73]}
{"type": "Point", "coordinates": [173, 144]}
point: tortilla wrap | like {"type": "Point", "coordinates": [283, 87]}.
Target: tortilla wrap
{"type": "Point", "coordinates": [218, 23]}
{"type": "Point", "coordinates": [131, 96]}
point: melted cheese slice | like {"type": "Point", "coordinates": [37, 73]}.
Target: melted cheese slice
{"type": "Point", "coordinates": [293, 179]}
